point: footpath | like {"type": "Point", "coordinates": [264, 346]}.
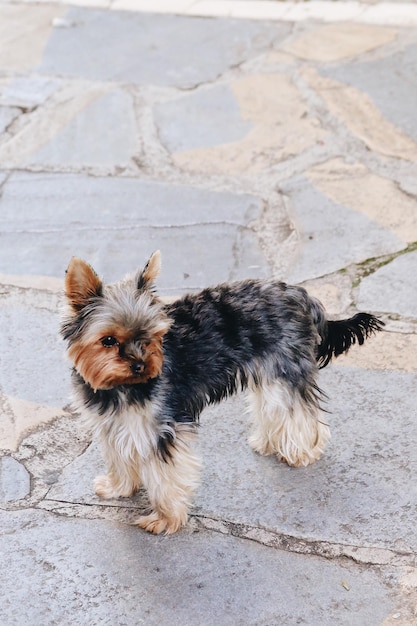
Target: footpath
{"type": "Point", "coordinates": [242, 139]}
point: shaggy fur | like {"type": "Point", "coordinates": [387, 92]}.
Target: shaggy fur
{"type": "Point", "coordinates": [144, 371]}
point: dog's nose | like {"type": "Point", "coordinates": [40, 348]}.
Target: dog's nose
{"type": "Point", "coordinates": [137, 367]}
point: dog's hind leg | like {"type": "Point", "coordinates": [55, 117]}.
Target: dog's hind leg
{"type": "Point", "coordinates": [287, 423]}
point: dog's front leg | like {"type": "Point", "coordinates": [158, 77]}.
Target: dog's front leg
{"type": "Point", "coordinates": [123, 478]}
{"type": "Point", "coordinates": [170, 484]}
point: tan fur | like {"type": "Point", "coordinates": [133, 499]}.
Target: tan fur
{"type": "Point", "coordinates": [81, 283]}
{"type": "Point", "coordinates": [103, 368]}
{"type": "Point", "coordinates": [153, 267]}
{"type": "Point", "coordinates": [96, 366]}
{"type": "Point", "coordinates": [154, 356]}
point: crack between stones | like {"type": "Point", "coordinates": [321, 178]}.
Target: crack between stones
{"type": "Point", "coordinates": [373, 264]}
{"type": "Point", "coordinates": [5, 181]}
{"type": "Point", "coordinates": [41, 231]}
{"type": "Point", "coordinates": [325, 549]}
{"type": "Point", "coordinates": [362, 555]}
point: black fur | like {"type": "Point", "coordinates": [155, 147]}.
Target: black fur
{"type": "Point", "coordinates": [225, 335]}
{"type": "Point", "coordinates": [343, 334]}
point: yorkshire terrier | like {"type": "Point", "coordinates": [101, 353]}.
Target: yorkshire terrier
{"type": "Point", "coordinates": [144, 371]}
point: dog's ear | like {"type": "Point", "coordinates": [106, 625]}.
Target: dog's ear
{"type": "Point", "coordinates": [81, 283]}
{"type": "Point", "coordinates": [149, 274]}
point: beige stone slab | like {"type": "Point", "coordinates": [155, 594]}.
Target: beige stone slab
{"type": "Point", "coordinates": [333, 292]}
{"type": "Point", "coordinates": [24, 31]}
{"type": "Point", "coordinates": [360, 115]}
{"type": "Point", "coordinates": [276, 56]}
{"type": "Point", "coordinates": [19, 417]}
{"type": "Point", "coordinates": [384, 351]}
{"type": "Point", "coordinates": [281, 128]}
{"type": "Point", "coordinates": [378, 198]}
{"type": "Point", "coordinates": [26, 281]}
{"type": "Point", "coordinates": [332, 42]}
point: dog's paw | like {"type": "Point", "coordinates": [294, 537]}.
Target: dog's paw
{"type": "Point", "coordinates": [302, 460]}
{"type": "Point", "coordinates": [105, 487]}
{"type": "Point", "coordinates": [260, 445]}
{"type": "Point", "coordinates": [157, 524]}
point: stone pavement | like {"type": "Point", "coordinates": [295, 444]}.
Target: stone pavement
{"type": "Point", "coordinates": [281, 147]}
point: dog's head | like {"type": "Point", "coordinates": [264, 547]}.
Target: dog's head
{"type": "Point", "coordinates": [114, 332]}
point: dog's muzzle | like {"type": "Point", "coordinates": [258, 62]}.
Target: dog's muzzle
{"type": "Point", "coordinates": [137, 368]}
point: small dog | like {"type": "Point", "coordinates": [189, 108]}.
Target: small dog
{"type": "Point", "coordinates": [143, 372]}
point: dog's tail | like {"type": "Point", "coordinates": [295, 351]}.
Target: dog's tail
{"type": "Point", "coordinates": [339, 336]}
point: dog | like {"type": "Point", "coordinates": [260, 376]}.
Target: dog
{"type": "Point", "coordinates": [143, 371]}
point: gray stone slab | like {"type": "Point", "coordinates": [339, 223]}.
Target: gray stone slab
{"type": "Point", "coordinates": [28, 92]}
{"type": "Point", "coordinates": [331, 236]}
{"type": "Point", "coordinates": [203, 119]}
{"type": "Point", "coordinates": [102, 134]}
{"type": "Point", "coordinates": [361, 493]}
{"type": "Point", "coordinates": [75, 483]}
{"type": "Point", "coordinates": [116, 223]}
{"type": "Point", "coordinates": [392, 288]}
{"type": "Point", "coordinates": [37, 201]}
{"type": "Point", "coordinates": [98, 572]}
{"type": "Point", "coordinates": [14, 480]}
{"type": "Point", "coordinates": [32, 361]}
{"type": "Point", "coordinates": [153, 49]}
{"type": "Point", "coordinates": [189, 263]}
{"type": "Point", "coordinates": [391, 83]}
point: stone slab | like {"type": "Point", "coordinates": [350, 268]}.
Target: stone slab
{"type": "Point", "coordinates": [90, 140]}
{"type": "Point", "coordinates": [205, 118]}
{"type": "Point", "coordinates": [24, 31]}
{"type": "Point", "coordinates": [32, 361]}
{"type": "Point", "coordinates": [380, 198]}
{"type": "Point", "coordinates": [70, 116]}
{"type": "Point", "coordinates": [18, 417]}
{"type": "Point", "coordinates": [392, 288]}
{"type": "Point", "coordinates": [159, 48]}
{"type": "Point", "coordinates": [389, 81]}
{"type": "Point", "coordinates": [99, 572]}
{"type": "Point", "coordinates": [14, 480]}
{"type": "Point", "coordinates": [361, 493]}
{"type": "Point", "coordinates": [282, 128]}
{"type": "Point", "coordinates": [386, 351]}
{"type": "Point", "coordinates": [331, 236]}
{"type": "Point", "coordinates": [358, 112]}
{"type": "Point", "coordinates": [28, 92]}
{"type": "Point", "coordinates": [188, 264]}
{"type": "Point", "coordinates": [333, 42]}
{"type": "Point", "coordinates": [56, 200]}
{"type": "Point", "coordinates": [117, 223]}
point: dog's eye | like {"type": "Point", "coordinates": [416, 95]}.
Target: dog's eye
{"type": "Point", "coordinates": [109, 342]}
